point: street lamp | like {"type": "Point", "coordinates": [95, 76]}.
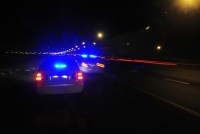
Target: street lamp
{"type": "Point", "coordinates": [159, 47]}
{"type": "Point", "coordinates": [187, 5]}
{"type": "Point", "coordinates": [100, 35]}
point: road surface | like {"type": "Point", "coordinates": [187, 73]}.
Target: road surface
{"type": "Point", "coordinates": [127, 98]}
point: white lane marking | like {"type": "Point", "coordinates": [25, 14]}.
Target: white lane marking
{"type": "Point", "coordinates": [177, 81]}
{"type": "Point", "coordinates": [159, 98]}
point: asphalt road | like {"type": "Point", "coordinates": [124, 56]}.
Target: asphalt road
{"type": "Point", "coordinates": [176, 84]}
{"type": "Point", "coordinates": [125, 99]}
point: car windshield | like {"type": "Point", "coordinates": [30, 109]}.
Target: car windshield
{"type": "Point", "coordinates": [98, 67]}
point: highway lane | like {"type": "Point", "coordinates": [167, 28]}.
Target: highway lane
{"type": "Point", "coordinates": [186, 74]}
{"type": "Point", "coordinates": [110, 103]}
{"type": "Point", "coordinates": [106, 106]}
{"type": "Point", "coordinates": [179, 85]}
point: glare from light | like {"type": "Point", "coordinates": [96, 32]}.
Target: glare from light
{"type": "Point", "coordinates": [83, 43]}
{"type": "Point", "coordinates": [148, 27]}
{"type": "Point", "coordinates": [100, 65]}
{"type": "Point", "coordinates": [38, 78]}
{"type": "Point", "coordinates": [80, 77]}
{"type": "Point", "coordinates": [84, 65]}
{"type": "Point", "coordinates": [84, 55]}
{"type": "Point", "coordinates": [94, 43]}
{"type": "Point", "coordinates": [60, 66]}
{"type": "Point", "coordinates": [55, 76]}
{"type": "Point", "coordinates": [80, 74]}
{"type": "Point", "coordinates": [64, 76]}
{"type": "Point", "coordinates": [93, 56]}
{"type": "Point", "coordinates": [39, 74]}
{"type": "Point", "coordinates": [158, 47]}
{"type": "Point", "coordinates": [187, 5]}
{"type": "Point", "coordinates": [100, 35]}
{"type": "Point", "coordinates": [76, 46]}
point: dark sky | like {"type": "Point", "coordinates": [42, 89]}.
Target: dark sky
{"type": "Point", "coordinates": [36, 24]}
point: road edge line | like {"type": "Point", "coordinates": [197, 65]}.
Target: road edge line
{"type": "Point", "coordinates": [160, 98]}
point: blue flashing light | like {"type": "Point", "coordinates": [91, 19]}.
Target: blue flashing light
{"type": "Point", "coordinates": [93, 56]}
{"type": "Point", "coordinates": [84, 55]}
{"type": "Point", "coordinates": [60, 66]}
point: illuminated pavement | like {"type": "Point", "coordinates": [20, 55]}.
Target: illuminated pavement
{"type": "Point", "coordinates": [177, 84]}
{"type": "Point", "coordinates": [111, 103]}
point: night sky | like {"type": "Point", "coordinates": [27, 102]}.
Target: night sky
{"type": "Point", "coordinates": [36, 25]}
{"type": "Point", "coordinates": [32, 24]}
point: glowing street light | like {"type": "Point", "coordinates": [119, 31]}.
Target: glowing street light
{"type": "Point", "coordinates": [100, 35]}
{"type": "Point", "coordinates": [76, 46]}
{"type": "Point", "coordinates": [159, 47]}
{"type": "Point", "coordinates": [83, 43]}
{"type": "Point", "coordinates": [187, 5]}
{"type": "Point", "coordinates": [94, 43]}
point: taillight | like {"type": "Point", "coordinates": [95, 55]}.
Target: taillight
{"type": "Point", "coordinates": [79, 76]}
{"type": "Point", "coordinates": [100, 65]}
{"type": "Point", "coordinates": [84, 65]}
{"type": "Point", "coordinates": [38, 77]}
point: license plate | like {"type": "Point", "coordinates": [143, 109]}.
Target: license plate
{"type": "Point", "coordinates": [63, 77]}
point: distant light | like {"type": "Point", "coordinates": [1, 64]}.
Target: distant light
{"type": "Point", "coordinates": [39, 74]}
{"type": "Point", "coordinates": [83, 43]}
{"type": "Point", "coordinates": [159, 47]}
{"type": "Point", "coordinates": [100, 65]}
{"type": "Point", "coordinates": [100, 35]}
{"type": "Point", "coordinates": [187, 5]}
{"type": "Point", "coordinates": [84, 46]}
{"type": "Point", "coordinates": [76, 46]}
{"type": "Point", "coordinates": [84, 55]}
{"type": "Point", "coordinates": [148, 27]}
{"type": "Point", "coordinates": [94, 43]}
{"type": "Point", "coordinates": [84, 65]}
{"type": "Point", "coordinates": [64, 76]}
{"type": "Point", "coordinates": [38, 78]}
{"type": "Point", "coordinates": [93, 56]}
{"type": "Point", "coordinates": [55, 76]}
